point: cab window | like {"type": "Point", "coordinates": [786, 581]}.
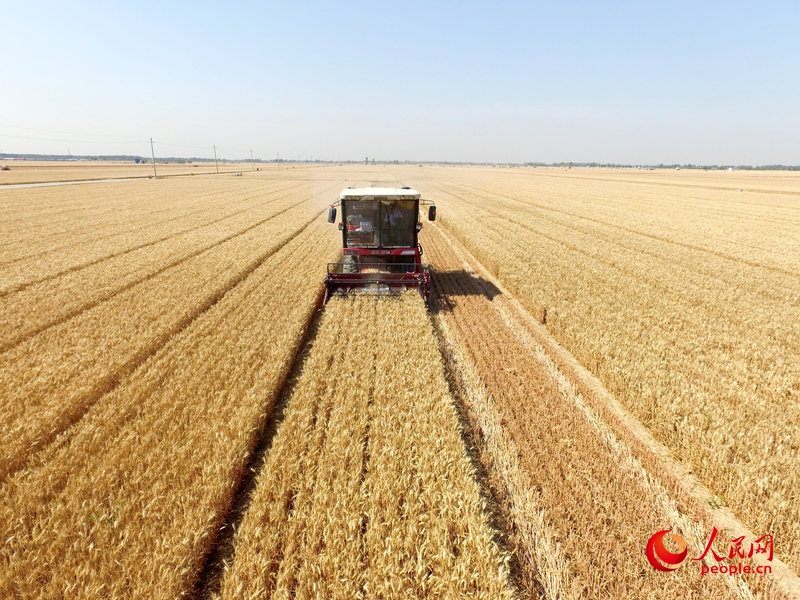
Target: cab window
{"type": "Point", "coordinates": [360, 221]}
{"type": "Point", "coordinates": [397, 223]}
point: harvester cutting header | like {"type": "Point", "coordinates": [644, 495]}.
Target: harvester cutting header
{"type": "Point", "coordinates": [380, 250]}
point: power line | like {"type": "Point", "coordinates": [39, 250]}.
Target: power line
{"type": "Point", "coordinates": [132, 141]}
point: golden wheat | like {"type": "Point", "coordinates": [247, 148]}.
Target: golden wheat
{"type": "Point", "coordinates": [147, 328]}
{"type": "Point", "coordinates": [562, 475]}
{"type": "Point", "coordinates": [114, 220]}
{"type": "Point", "coordinates": [367, 491]}
{"type": "Point", "coordinates": [49, 379]}
{"type": "Point", "coordinates": [674, 297]}
{"type": "Point", "coordinates": [129, 501]}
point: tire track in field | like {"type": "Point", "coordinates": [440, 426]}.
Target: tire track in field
{"type": "Point", "coordinates": [223, 551]}
{"type": "Point", "coordinates": [110, 381]}
{"type": "Point", "coordinates": [25, 335]}
{"type": "Point", "coordinates": [146, 218]}
{"type": "Point", "coordinates": [22, 286]}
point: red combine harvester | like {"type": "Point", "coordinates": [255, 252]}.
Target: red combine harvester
{"type": "Point", "coordinates": [380, 251]}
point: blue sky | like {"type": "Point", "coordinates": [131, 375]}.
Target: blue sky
{"type": "Point", "coordinates": [496, 81]}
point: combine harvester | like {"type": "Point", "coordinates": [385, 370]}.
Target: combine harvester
{"type": "Point", "coordinates": [380, 251]}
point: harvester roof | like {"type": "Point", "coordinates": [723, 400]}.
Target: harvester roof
{"type": "Point", "coordinates": [376, 192]}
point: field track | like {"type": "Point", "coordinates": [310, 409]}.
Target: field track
{"type": "Point", "coordinates": [602, 359]}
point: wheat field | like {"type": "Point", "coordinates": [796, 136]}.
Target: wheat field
{"type": "Point", "coordinates": [596, 340]}
{"type": "Point", "coordinates": [683, 299]}
{"type": "Point", "coordinates": [367, 490]}
{"type": "Point", "coordinates": [34, 171]}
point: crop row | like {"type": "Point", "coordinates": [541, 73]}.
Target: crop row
{"type": "Point", "coordinates": [128, 502]}
{"type": "Point", "coordinates": [50, 379]}
{"type": "Point", "coordinates": [85, 241]}
{"type": "Point", "coordinates": [581, 502]}
{"type": "Point", "coordinates": [58, 297]}
{"type": "Point", "coordinates": [696, 336]}
{"type": "Point", "coordinates": [367, 491]}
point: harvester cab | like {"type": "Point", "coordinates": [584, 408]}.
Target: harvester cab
{"type": "Point", "coordinates": [380, 250]}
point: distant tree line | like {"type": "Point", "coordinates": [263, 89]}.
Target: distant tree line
{"type": "Point", "coordinates": [178, 159]}
{"type": "Point", "coordinates": [671, 166]}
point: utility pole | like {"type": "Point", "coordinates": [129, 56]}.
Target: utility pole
{"type": "Point", "coordinates": [215, 159]}
{"type": "Point", "coordinates": [252, 168]}
{"type": "Point", "coordinates": [153, 153]}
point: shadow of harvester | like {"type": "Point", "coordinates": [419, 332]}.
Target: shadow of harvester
{"type": "Point", "coordinates": [449, 285]}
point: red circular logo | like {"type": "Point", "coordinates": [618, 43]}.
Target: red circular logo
{"type": "Point", "coordinates": [661, 558]}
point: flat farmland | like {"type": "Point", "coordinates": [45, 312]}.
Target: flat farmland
{"type": "Point", "coordinates": [367, 490]}
{"type": "Point", "coordinates": [606, 354]}
{"type": "Point", "coordinates": [41, 171]}
{"type": "Point", "coordinates": [680, 291]}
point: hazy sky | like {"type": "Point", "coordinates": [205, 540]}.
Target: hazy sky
{"type": "Point", "coordinates": [634, 82]}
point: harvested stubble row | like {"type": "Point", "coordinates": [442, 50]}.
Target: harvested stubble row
{"type": "Point", "coordinates": [367, 491]}
{"type": "Point", "coordinates": [50, 379]}
{"type": "Point", "coordinates": [581, 497]}
{"type": "Point", "coordinates": [59, 297]}
{"type": "Point", "coordinates": [128, 502]}
{"type": "Point", "coordinates": [674, 300]}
